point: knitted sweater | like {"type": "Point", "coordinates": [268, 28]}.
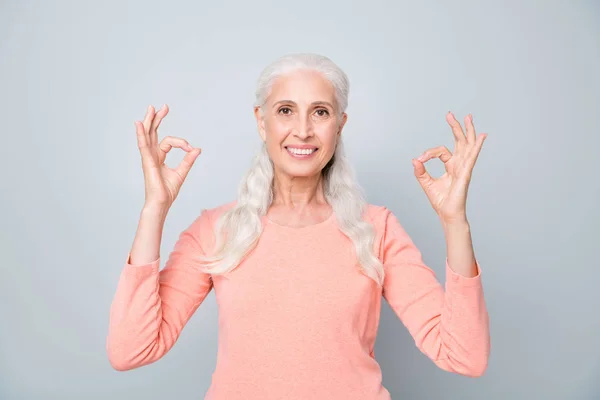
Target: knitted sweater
{"type": "Point", "coordinates": [297, 319]}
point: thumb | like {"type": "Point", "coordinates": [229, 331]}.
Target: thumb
{"type": "Point", "coordinates": [188, 160]}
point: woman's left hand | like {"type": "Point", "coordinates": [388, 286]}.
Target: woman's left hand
{"type": "Point", "coordinates": [448, 193]}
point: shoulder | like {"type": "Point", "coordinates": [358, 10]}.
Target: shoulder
{"type": "Point", "coordinates": [384, 221]}
{"type": "Point", "coordinates": [387, 228]}
{"type": "Point", "coordinates": [202, 228]}
{"type": "Point", "coordinates": [377, 215]}
{"type": "Point", "coordinates": [214, 212]}
{"type": "Point", "coordinates": [205, 221]}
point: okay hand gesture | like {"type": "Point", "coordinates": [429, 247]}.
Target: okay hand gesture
{"type": "Point", "coordinates": [162, 183]}
{"type": "Point", "coordinates": [448, 193]}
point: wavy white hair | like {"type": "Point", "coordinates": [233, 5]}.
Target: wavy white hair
{"type": "Point", "coordinates": [238, 229]}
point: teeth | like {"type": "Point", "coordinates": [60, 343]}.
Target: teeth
{"type": "Point", "coordinates": [301, 151]}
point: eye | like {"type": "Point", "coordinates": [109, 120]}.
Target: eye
{"type": "Point", "coordinates": [322, 112]}
{"type": "Point", "coordinates": [284, 108]}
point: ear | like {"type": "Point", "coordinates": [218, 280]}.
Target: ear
{"type": "Point", "coordinates": [344, 119]}
{"type": "Point", "coordinates": [260, 122]}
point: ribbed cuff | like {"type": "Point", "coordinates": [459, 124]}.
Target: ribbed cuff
{"type": "Point", "coordinates": [152, 266]}
{"type": "Point", "coordinates": [454, 278]}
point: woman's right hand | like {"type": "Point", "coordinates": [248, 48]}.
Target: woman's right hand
{"type": "Point", "coordinates": [162, 183]}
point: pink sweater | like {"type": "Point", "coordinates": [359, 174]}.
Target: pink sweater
{"type": "Point", "coordinates": [297, 319]}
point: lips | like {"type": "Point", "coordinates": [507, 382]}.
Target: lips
{"type": "Point", "coordinates": [301, 146]}
{"type": "Point", "coordinates": [301, 151]}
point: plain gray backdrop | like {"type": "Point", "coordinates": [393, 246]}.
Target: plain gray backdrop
{"type": "Point", "coordinates": [75, 75]}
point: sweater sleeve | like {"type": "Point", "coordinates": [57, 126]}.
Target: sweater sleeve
{"type": "Point", "coordinates": [151, 307]}
{"type": "Point", "coordinates": [450, 326]}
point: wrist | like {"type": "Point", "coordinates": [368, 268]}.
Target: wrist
{"type": "Point", "coordinates": [157, 210]}
{"type": "Point", "coordinates": [455, 223]}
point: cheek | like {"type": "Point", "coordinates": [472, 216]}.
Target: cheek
{"type": "Point", "coordinates": [328, 135]}
{"type": "Point", "coordinates": [277, 131]}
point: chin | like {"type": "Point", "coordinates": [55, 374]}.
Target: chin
{"type": "Point", "coordinates": [301, 171]}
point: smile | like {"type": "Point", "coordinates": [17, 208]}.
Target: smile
{"type": "Point", "coordinates": [301, 153]}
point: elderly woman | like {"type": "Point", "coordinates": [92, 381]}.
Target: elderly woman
{"type": "Point", "coordinates": [299, 261]}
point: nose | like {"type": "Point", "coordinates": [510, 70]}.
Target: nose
{"type": "Point", "coordinates": [303, 128]}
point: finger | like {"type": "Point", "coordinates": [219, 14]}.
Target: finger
{"type": "Point", "coordinates": [421, 173]}
{"type": "Point", "coordinates": [148, 120]}
{"type": "Point", "coordinates": [168, 143]}
{"type": "Point", "coordinates": [440, 152]}
{"type": "Point", "coordinates": [476, 150]}
{"type": "Point", "coordinates": [164, 110]}
{"type": "Point", "coordinates": [142, 140]}
{"type": "Point", "coordinates": [470, 129]}
{"type": "Point", "coordinates": [459, 136]}
{"type": "Point", "coordinates": [186, 164]}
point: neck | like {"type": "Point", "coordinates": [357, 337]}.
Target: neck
{"type": "Point", "coordinates": [298, 191]}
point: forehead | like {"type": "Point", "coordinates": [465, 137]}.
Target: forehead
{"type": "Point", "coordinates": [302, 86]}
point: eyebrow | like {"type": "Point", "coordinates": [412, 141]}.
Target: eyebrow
{"type": "Point", "coordinates": [326, 103]}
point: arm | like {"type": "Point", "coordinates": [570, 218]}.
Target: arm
{"type": "Point", "coordinates": [151, 307]}
{"type": "Point", "coordinates": [450, 326]}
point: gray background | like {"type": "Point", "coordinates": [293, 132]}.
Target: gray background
{"type": "Point", "coordinates": [75, 75]}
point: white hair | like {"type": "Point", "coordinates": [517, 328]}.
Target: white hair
{"type": "Point", "coordinates": [238, 229]}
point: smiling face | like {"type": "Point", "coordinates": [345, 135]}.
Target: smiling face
{"type": "Point", "coordinates": [300, 124]}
